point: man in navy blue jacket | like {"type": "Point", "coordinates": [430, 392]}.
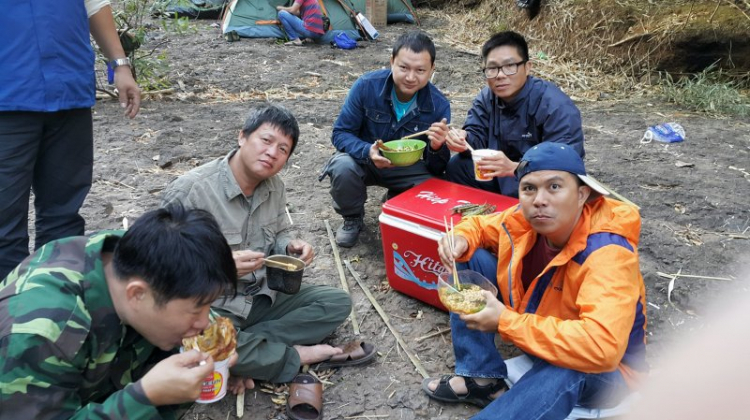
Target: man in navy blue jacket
{"type": "Point", "coordinates": [47, 89]}
{"type": "Point", "coordinates": [387, 105]}
{"type": "Point", "coordinates": [511, 115]}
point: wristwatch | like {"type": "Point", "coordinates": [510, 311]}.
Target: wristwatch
{"type": "Point", "coordinates": [117, 62]}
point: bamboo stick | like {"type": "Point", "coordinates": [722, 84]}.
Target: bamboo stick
{"type": "Point", "coordinates": [241, 404]}
{"type": "Point", "coordinates": [438, 332]}
{"type": "Point", "coordinates": [387, 321]}
{"type": "Point", "coordinates": [689, 276]}
{"type": "Point", "coordinates": [342, 275]}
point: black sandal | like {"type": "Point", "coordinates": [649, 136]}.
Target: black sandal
{"type": "Point", "coordinates": [477, 395]}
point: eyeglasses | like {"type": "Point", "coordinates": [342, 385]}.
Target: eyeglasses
{"type": "Point", "coordinates": [508, 70]}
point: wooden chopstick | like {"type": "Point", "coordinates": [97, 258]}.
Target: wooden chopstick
{"type": "Point", "coordinates": [453, 251]}
{"type": "Point", "coordinates": [468, 146]}
{"type": "Point", "coordinates": [449, 234]}
{"type": "Point", "coordinates": [416, 134]}
{"type": "Point", "coordinates": [284, 266]}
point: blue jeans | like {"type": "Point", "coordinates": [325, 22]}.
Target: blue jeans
{"type": "Point", "coordinates": [294, 26]}
{"type": "Point", "coordinates": [544, 392]}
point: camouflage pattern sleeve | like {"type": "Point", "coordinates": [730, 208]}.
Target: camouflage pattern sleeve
{"type": "Point", "coordinates": [64, 353]}
{"type": "Point", "coordinates": [37, 383]}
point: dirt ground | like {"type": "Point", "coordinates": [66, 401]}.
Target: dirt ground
{"type": "Point", "coordinates": [693, 195]}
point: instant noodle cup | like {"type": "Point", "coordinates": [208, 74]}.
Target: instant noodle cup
{"type": "Point", "coordinates": [214, 386]}
{"type": "Point", "coordinates": [476, 155]}
{"type": "Point", "coordinates": [219, 340]}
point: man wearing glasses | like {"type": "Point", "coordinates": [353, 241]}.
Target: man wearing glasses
{"type": "Point", "coordinates": [512, 114]}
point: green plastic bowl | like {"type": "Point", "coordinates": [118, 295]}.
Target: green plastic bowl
{"type": "Point", "coordinates": [414, 151]}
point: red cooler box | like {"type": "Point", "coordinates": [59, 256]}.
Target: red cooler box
{"type": "Point", "coordinates": [412, 223]}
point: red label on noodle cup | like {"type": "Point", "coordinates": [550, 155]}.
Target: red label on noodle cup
{"type": "Point", "coordinates": [214, 386]}
{"type": "Point", "coordinates": [211, 386]}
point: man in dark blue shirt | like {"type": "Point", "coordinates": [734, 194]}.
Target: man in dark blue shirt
{"type": "Point", "coordinates": [47, 89]}
{"type": "Point", "coordinates": [387, 105]}
{"type": "Point", "coordinates": [511, 115]}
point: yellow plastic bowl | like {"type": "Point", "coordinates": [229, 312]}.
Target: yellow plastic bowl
{"type": "Point", "coordinates": [411, 151]}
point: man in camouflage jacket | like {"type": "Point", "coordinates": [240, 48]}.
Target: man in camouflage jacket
{"type": "Point", "coordinates": [86, 323]}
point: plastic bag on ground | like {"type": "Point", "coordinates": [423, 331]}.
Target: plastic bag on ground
{"type": "Point", "coordinates": [665, 133]}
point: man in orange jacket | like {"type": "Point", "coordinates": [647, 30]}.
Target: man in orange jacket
{"type": "Point", "coordinates": [571, 296]}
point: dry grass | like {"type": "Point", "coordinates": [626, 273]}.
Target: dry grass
{"type": "Point", "coordinates": [467, 30]}
{"type": "Point", "coordinates": [585, 47]}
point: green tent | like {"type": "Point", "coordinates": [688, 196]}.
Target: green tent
{"type": "Point", "coordinates": [257, 18]}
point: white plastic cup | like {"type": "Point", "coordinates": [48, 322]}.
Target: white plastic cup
{"type": "Point", "coordinates": [214, 386]}
{"type": "Point", "coordinates": [476, 155]}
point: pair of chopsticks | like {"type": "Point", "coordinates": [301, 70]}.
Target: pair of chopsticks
{"type": "Point", "coordinates": [281, 265]}
{"type": "Point", "coordinates": [452, 246]}
{"type": "Point", "coordinates": [453, 130]}
{"type": "Point", "coordinates": [421, 132]}
{"type": "Point", "coordinates": [410, 136]}
{"type": "Point", "coordinates": [468, 146]}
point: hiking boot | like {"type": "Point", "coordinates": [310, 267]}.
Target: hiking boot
{"type": "Point", "coordinates": [347, 234]}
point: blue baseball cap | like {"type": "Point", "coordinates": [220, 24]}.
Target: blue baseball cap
{"type": "Point", "coordinates": [551, 156]}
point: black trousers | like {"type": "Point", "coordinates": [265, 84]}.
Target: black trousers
{"type": "Point", "coordinates": [53, 154]}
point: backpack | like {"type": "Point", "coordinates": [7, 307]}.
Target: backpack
{"type": "Point", "coordinates": [343, 41]}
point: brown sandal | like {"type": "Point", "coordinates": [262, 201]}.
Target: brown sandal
{"type": "Point", "coordinates": [354, 354]}
{"type": "Point", "coordinates": [305, 400]}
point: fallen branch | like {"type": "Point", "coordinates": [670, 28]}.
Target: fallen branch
{"type": "Point", "coordinates": [111, 94]}
{"type": "Point", "coordinates": [630, 38]}
{"type": "Point", "coordinates": [738, 8]}
{"type": "Point", "coordinates": [115, 182]}
{"type": "Point", "coordinates": [728, 234]}
{"type": "Point", "coordinates": [291, 222]}
{"type": "Point", "coordinates": [387, 321]}
{"type": "Point", "coordinates": [438, 332]}
{"type": "Point", "coordinates": [156, 92]}
{"type": "Point", "coordinates": [669, 276]}
{"type": "Point", "coordinates": [342, 275]}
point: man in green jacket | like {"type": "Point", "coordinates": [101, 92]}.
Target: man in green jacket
{"type": "Point", "coordinates": [87, 323]}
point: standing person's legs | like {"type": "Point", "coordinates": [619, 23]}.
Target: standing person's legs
{"type": "Point", "coordinates": [20, 133]}
{"type": "Point", "coordinates": [62, 176]}
{"type": "Point", "coordinates": [550, 392]}
{"type": "Point", "coordinates": [266, 338]}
